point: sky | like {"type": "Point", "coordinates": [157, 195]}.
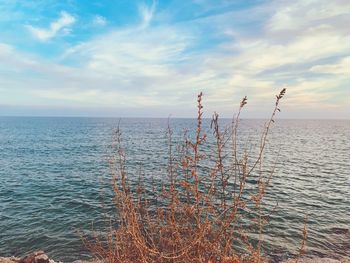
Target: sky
{"type": "Point", "coordinates": [131, 58]}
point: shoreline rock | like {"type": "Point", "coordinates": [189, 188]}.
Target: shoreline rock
{"type": "Point", "coordinates": [9, 259]}
{"type": "Point", "coordinates": [41, 257]}
{"type": "Point", "coordinates": [316, 260]}
{"type": "Point", "coordinates": [35, 257]}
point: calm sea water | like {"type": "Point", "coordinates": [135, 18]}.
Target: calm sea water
{"type": "Point", "coordinates": [54, 180]}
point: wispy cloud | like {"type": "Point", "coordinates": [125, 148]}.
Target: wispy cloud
{"type": "Point", "coordinates": [295, 15]}
{"type": "Point", "coordinates": [99, 20]}
{"type": "Point", "coordinates": [62, 25]}
{"type": "Point", "coordinates": [341, 67]}
{"type": "Point", "coordinates": [147, 12]}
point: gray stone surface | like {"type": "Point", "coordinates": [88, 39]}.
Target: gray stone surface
{"type": "Point", "coordinates": [41, 257]}
{"type": "Point", "coordinates": [316, 260]}
{"type": "Point", "coordinates": [8, 259]}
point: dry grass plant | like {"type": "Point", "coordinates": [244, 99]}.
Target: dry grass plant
{"type": "Point", "coordinates": [194, 215]}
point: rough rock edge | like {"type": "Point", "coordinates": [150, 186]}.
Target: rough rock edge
{"type": "Point", "coordinates": [316, 260]}
{"type": "Point", "coordinates": [35, 257]}
{"type": "Point", "coordinates": [302, 260]}
{"type": "Point", "coordinates": [9, 260]}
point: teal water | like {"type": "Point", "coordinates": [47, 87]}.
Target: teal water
{"type": "Point", "coordinates": [54, 180]}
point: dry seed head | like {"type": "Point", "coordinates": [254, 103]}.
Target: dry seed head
{"type": "Point", "coordinates": [243, 102]}
{"type": "Point", "coordinates": [283, 91]}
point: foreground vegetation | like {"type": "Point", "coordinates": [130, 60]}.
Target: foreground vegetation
{"type": "Point", "coordinates": [197, 213]}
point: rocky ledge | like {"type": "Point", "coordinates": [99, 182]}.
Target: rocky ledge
{"type": "Point", "coordinates": [35, 257]}
{"type": "Point", "coordinates": [41, 257]}
{"type": "Point", "coordinates": [314, 260]}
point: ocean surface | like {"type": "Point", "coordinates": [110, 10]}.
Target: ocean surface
{"type": "Point", "coordinates": [55, 180]}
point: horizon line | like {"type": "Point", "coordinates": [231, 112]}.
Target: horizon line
{"type": "Point", "coordinates": [150, 117]}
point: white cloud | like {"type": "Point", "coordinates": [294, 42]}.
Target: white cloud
{"type": "Point", "coordinates": [5, 49]}
{"type": "Point", "coordinates": [147, 13]}
{"type": "Point", "coordinates": [137, 52]}
{"type": "Point", "coordinates": [62, 25]}
{"type": "Point", "coordinates": [341, 67]}
{"type": "Point", "coordinates": [295, 15]}
{"type": "Point", "coordinates": [99, 20]}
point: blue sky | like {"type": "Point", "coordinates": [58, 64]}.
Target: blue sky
{"type": "Point", "coordinates": [150, 58]}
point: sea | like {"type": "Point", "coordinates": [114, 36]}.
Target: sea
{"type": "Point", "coordinates": [55, 180]}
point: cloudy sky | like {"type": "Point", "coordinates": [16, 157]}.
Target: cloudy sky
{"type": "Point", "coordinates": [150, 58]}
